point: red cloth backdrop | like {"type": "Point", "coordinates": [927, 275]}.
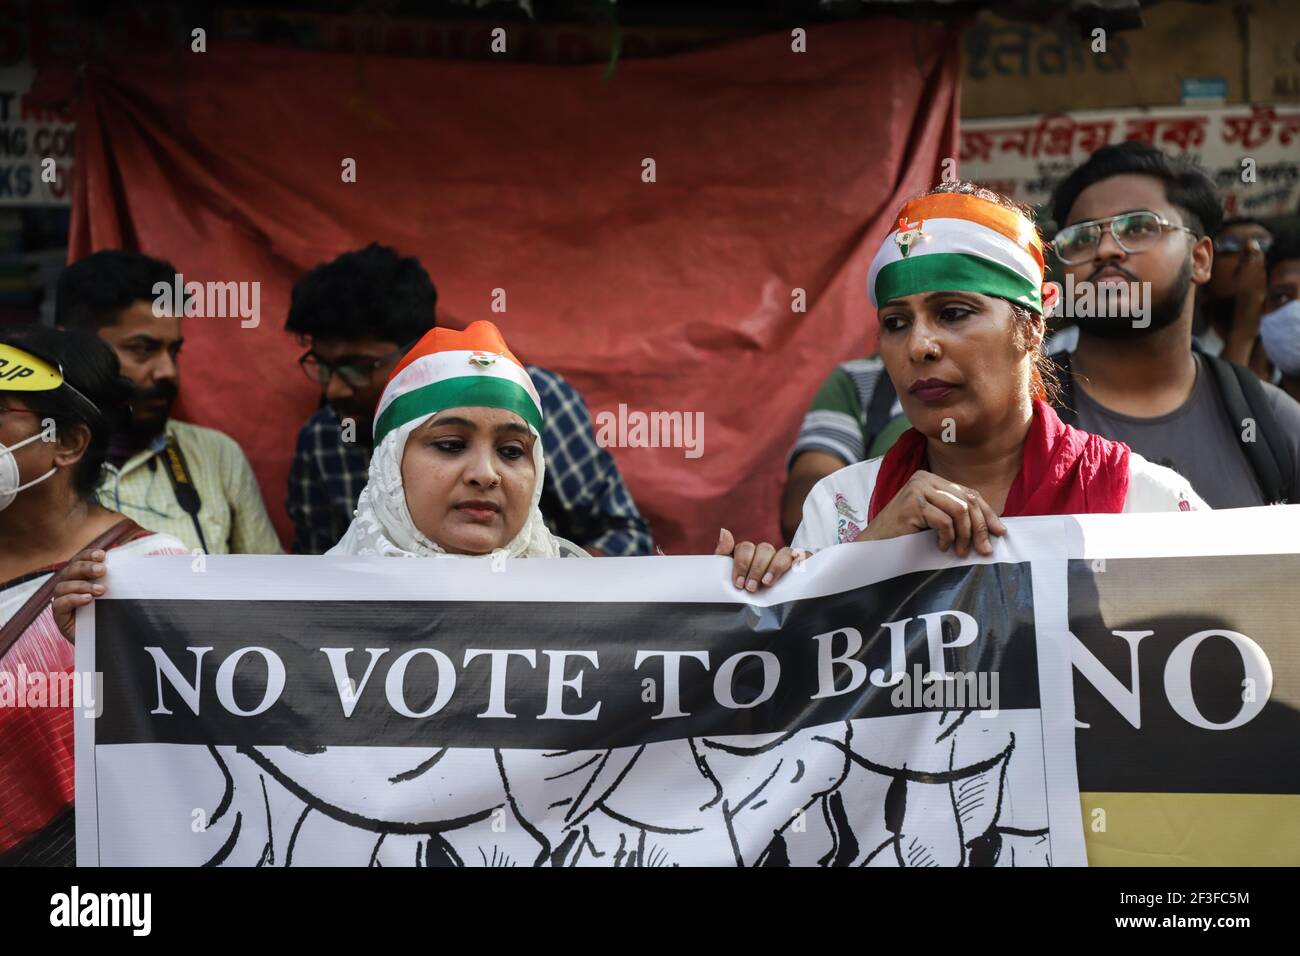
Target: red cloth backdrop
{"type": "Point", "coordinates": [775, 170]}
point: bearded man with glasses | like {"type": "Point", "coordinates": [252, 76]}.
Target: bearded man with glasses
{"type": "Point", "coordinates": [1135, 226]}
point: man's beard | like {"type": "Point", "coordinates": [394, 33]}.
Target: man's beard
{"type": "Point", "coordinates": [147, 420]}
{"type": "Point", "coordinates": [1164, 313]}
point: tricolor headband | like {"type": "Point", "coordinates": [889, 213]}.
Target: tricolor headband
{"type": "Point", "coordinates": [960, 242]}
{"type": "Point", "coordinates": [21, 371]}
{"type": "Point", "coordinates": [450, 369]}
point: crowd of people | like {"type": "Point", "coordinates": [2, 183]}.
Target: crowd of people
{"type": "Point", "coordinates": [435, 442]}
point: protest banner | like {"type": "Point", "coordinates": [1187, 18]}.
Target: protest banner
{"type": "Point", "coordinates": [308, 710]}
{"type": "Point", "coordinates": [298, 711]}
{"type": "Point", "coordinates": [1187, 687]}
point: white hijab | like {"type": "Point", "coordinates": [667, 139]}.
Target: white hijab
{"type": "Point", "coordinates": [383, 526]}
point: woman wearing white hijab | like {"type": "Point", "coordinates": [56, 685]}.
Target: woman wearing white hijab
{"type": "Point", "coordinates": [458, 464]}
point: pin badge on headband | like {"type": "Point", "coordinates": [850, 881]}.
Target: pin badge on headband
{"type": "Point", "coordinates": [484, 359]}
{"type": "Point", "coordinates": [908, 233]}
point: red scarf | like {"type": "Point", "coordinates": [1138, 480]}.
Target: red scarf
{"type": "Point", "coordinates": [1065, 471]}
{"type": "Point", "coordinates": [36, 743]}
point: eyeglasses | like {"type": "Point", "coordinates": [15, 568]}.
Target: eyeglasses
{"type": "Point", "coordinates": [357, 371]}
{"type": "Point", "coordinates": [6, 410]}
{"type": "Point", "coordinates": [1132, 231]}
{"type": "Point", "coordinates": [1229, 245]}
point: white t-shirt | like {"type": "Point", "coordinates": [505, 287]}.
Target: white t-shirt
{"type": "Point", "coordinates": [835, 511]}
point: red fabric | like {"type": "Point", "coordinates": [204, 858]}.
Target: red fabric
{"type": "Point", "coordinates": [1065, 471]}
{"type": "Point", "coordinates": [775, 170]}
{"type": "Point", "coordinates": [36, 742]}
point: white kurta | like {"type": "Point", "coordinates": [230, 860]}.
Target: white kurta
{"type": "Point", "coordinates": [835, 511]}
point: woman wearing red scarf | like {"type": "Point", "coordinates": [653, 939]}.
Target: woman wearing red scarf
{"type": "Point", "coordinates": [958, 286]}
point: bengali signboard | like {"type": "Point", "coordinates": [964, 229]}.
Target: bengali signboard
{"type": "Point", "coordinates": [1253, 153]}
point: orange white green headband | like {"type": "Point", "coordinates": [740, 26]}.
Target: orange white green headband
{"type": "Point", "coordinates": [959, 242]}
{"type": "Point", "coordinates": [451, 369]}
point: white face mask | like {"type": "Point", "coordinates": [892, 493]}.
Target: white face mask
{"type": "Point", "coordinates": [1279, 331]}
{"type": "Point", "coordinates": [9, 476]}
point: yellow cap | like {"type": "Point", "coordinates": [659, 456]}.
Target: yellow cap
{"type": "Point", "coordinates": [23, 372]}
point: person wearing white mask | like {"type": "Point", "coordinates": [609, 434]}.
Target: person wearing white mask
{"type": "Point", "coordinates": [60, 396]}
{"type": "Point", "coordinates": [1279, 327]}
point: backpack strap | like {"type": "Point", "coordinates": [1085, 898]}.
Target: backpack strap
{"type": "Point", "coordinates": [1244, 398]}
{"type": "Point", "coordinates": [878, 409]}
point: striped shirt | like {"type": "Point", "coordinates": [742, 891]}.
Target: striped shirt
{"type": "Point", "coordinates": [36, 741]}
{"type": "Point", "coordinates": [836, 422]}
{"type": "Point", "coordinates": [231, 512]}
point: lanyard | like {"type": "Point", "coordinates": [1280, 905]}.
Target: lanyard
{"type": "Point", "coordinates": [187, 496]}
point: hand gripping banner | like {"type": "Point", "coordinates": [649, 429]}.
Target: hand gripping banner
{"type": "Point", "coordinates": [887, 705]}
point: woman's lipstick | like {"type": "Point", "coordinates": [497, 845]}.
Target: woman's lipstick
{"type": "Point", "coordinates": [931, 389]}
{"type": "Point", "coordinates": [478, 510]}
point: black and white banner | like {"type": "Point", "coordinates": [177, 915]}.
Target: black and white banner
{"type": "Point", "coordinates": [885, 705]}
